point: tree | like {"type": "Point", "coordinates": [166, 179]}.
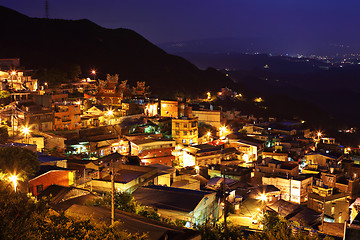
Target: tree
{"type": "Point", "coordinates": [4, 94]}
{"type": "Point", "coordinates": [24, 218]}
{"type": "Point", "coordinates": [4, 135]}
{"type": "Point", "coordinates": [20, 161]}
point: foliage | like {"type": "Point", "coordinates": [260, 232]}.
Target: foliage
{"type": "Point", "coordinates": [205, 128]}
{"type": "Point", "coordinates": [4, 135]}
{"type": "Point", "coordinates": [4, 94]}
{"type": "Point", "coordinates": [25, 218]}
{"type": "Point", "coordinates": [165, 128]}
{"type": "Point", "coordinates": [20, 161]}
{"type": "Point", "coordinates": [125, 202]}
{"type": "Point", "coordinates": [215, 231]}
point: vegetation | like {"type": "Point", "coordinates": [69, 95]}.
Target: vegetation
{"type": "Point", "coordinates": [19, 161]}
{"type": "Point", "coordinates": [24, 218]}
{"type": "Point", "coordinates": [126, 202]}
{"type": "Point", "coordinates": [4, 135]}
{"type": "Point", "coordinates": [274, 227]}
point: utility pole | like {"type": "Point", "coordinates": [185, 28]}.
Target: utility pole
{"type": "Point", "coordinates": [224, 202]}
{"type": "Point", "coordinates": [112, 193]}
{"type": "Point", "coordinates": [323, 214]}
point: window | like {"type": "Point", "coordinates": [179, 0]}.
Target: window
{"type": "Point", "coordinates": [185, 132]}
{"type": "Point", "coordinates": [185, 125]}
{"type": "Point", "coordinates": [177, 125]}
{"type": "Point", "coordinates": [39, 188]}
{"type": "Point", "coordinates": [177, 133]}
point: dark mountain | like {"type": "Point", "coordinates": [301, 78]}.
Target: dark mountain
{"type": "Point", "coordinates": [48, 43]}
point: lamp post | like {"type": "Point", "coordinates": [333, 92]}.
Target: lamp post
{"type": "Point", "coordinates": [26, 131]}
{"type": "Point", "coordinates": [93, 72]}
{"type": "Point", "coordinates": [14, 179]}
{"type": "Point", "coordinates": [110, 114]}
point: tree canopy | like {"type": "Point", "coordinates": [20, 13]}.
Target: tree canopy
{"type": "Point", "coordinates": [23, 218]}
{"type": "Point", "coordinates": [20, 161]}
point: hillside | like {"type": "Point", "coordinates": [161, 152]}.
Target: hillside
{"type": "Point", "coordinates": [46, 43]}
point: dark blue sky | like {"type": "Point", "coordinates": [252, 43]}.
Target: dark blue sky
{"type": "Point", "coordinates": [302, 21]}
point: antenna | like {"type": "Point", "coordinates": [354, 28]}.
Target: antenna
{"type": "Point", "coordinates": [46, 9]}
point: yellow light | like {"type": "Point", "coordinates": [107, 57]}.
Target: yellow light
{"type": "Point", "coordinates": [263, 197]}
{"type": "Point", "coordinates": [93, 72]}
{"type": "Point", "coordinates": [13, 73]}
{"type": "Point", "coordinates": [110, 112]}
{"type": "Point", "coordinates": [14, 179]}
{"type": "Point", "coordinates": [259, 99]}
{"type": "Point", "coordinates": [25, 130]}
{"type": "Point", "coordinates": [209, 134]}
{"type": "Point", "coordinates": [319, 134]}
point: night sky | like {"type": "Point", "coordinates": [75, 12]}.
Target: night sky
{"type": "Point", "coordinates": [296, 21]}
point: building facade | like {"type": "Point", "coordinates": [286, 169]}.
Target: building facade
{"type": "Point", "coordinates": [185, 130]}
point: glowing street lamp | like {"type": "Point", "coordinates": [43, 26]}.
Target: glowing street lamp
{"type": "Point", "coordinates": [110, 114]}
{"type": "Point", "coordinates": [93, 72]}
{"type": "Point", "coordinates": [26, 131]}
{"type": "Point", "coordinates": [223, 130]}
{"type": "Point", "coordinates": [14, 179]}
{"type": "Point", "coordinates": [318, 134]}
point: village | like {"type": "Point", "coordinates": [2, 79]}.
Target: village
{"type": "Point", "coordinates": [187, 159]}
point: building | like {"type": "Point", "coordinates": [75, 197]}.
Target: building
{"type": "Point", "coordinates": [251, 148]}
{"type": "Point", "coordinates": [185, 130]}
{"type": "Point", "coordinates": [152, 151]}
{"type": "Point", "coordinates": [33, 116]}
{"type": "Point", "coordinates": [335, 206]}
{"type": "Point", "coordinates": [212, 118]}
{"type": "Point", "coordinates": [201, 155]}
{"type": "Point", "coordinates": [272, 166]}
{"type": "Point", "coordinates": [67, 116]}
{"type": "Point", "coordinates": [193, 207]}
{"type": "Point", "coordinates": [293, 189]}
{"type": "Point", "coordinates": [127, 178]}
{"type": "Point", "coordinates": [17, 81]}
{"type": "Point", "coordinates": [169, 108]}
{"type": "Point", "coordinates": [50, 175]}
{"type": "Point", "coordinates": [317, 159]}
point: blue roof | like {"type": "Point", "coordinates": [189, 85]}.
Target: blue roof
{"type": "Point", "coordinates": [43, 158]}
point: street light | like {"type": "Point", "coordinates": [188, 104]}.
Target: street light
{"type": "Point", "coordinates": [223, 131]}
{"type": "Point", "coordinates": [26, 131]}
{"type": "Point", "coordinates": [93, 72]}
{"type": "Point", "coordinates": [14, 179]}
{"type": "Point", "coordinates": [110, 114]}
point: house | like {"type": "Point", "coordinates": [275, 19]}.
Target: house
{"type": "Point", "coordinates": [39, 118]}
{"type": "Point", "coordinates": [169, 108]}
{"type": "Point", "coordinates": [67, 116]}
{"type": "Point", "coordinates": [193, 207]}
{"type": "Point", "coordinates": [317, 159]}
{"type": "Point", "coordinates": [251, 148]}
{"type": "Point", "coordinates": [285, 209]}
{"type": "Point", "coordinates": [231, 171]}
{"type": "Point", "coordinates": [210, 117]}
{"type": "Point", "coordinates": [293, 189]}
{"type": "Point", "coordinates": [334, 206]}
{"type": "Point", "coordinates": [127, 178]}
{"type": "Point", "coordinates": [272, 166]}
{"type": "Point", "coordinates": [337, 179]}
{"type": "Point", "coordinates": [49, 175]}
{"type": "Point", "coordinates": [185, 130]}
{"type": "Point", "coordinates": [201, 155]}
{"type": "Point", "coordinates": [265, 193]}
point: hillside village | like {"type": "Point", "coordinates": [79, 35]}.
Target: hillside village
{"type": "Point", "coordinates": [189, 160]}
